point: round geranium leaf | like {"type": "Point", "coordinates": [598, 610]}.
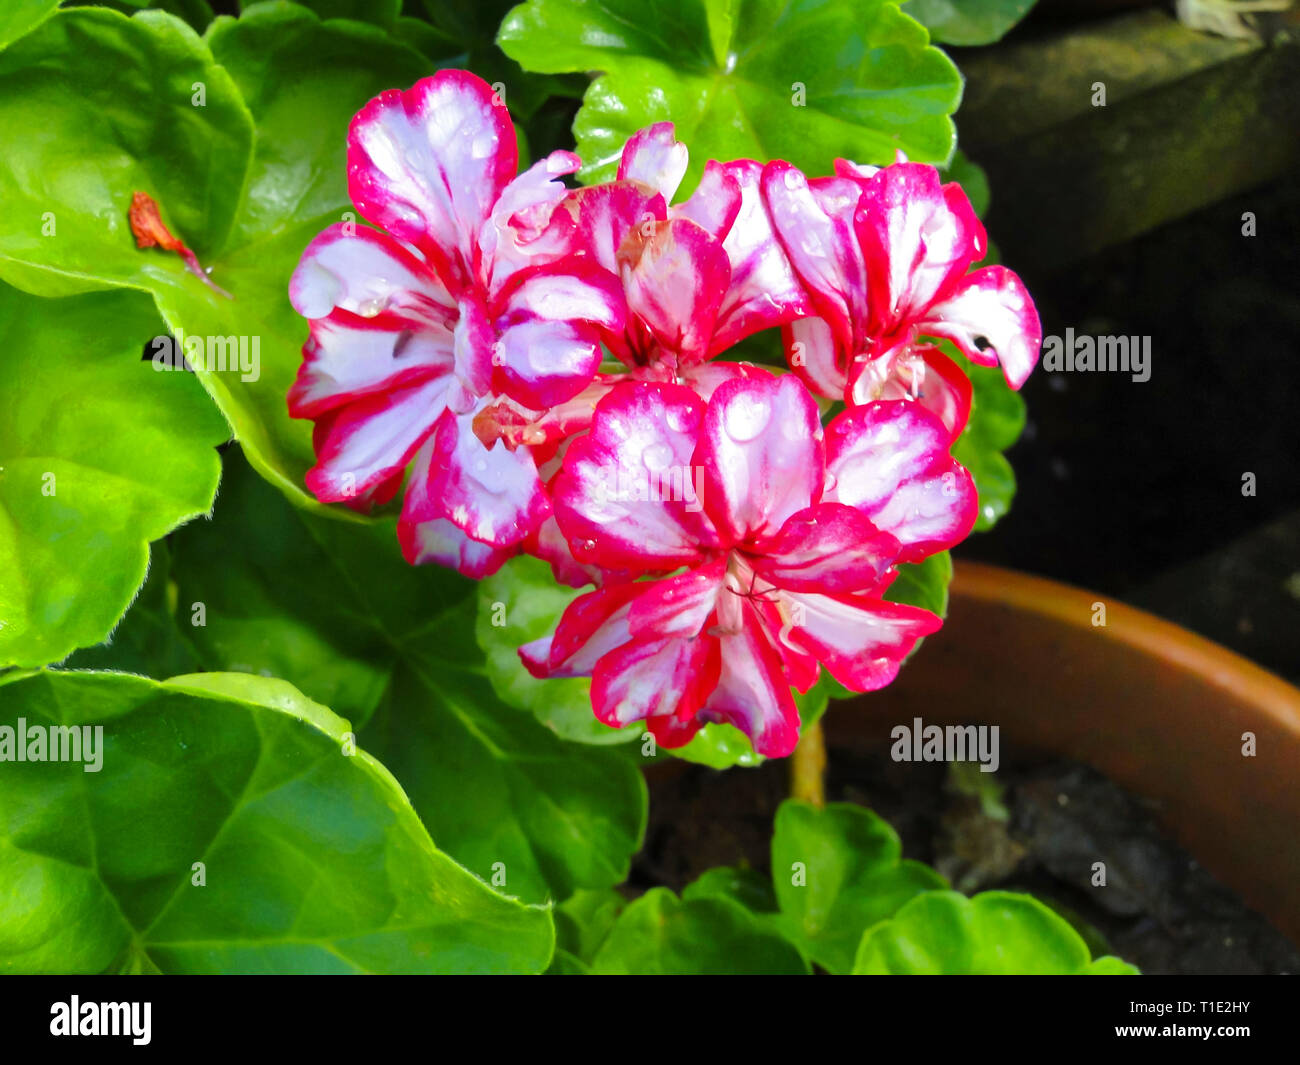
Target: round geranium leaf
{"type": "Point", "coordinates": [837, 871]}
{"type": "Point", "coordinates": [333, 607]}
{"type": "Point", "coordinates": [223, 823]}
{"type": "Point", "coordinates": [806, 81]}
{"type": "Point", "coordinates": [660, 934]}
{"type": "Point", "coordinates": [100, 453]}
{"type": "Point", "coordinates": [994, 933]}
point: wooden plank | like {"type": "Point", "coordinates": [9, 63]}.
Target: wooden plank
{"type": "Point", "coordinates": [1189, 119]}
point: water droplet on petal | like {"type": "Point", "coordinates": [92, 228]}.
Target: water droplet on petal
{"type": "Point", "coordinates": [678, 420]}
{"type": "Point", "coordinates": [795, 430]}
{"type": "Point", "coordinates": [745, 417]}
{"type": "Point", "coordinates": [657, 457]}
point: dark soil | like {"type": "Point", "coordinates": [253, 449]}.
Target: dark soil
{"type": "Point", "coordinates": [1158, 909]}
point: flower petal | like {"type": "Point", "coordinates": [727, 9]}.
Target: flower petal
{"type": "Point", "coordinates": [541, 364]}
{"type": "Point", "coordinates": [706, 377]}
{"type": "Point", "coordinates": [849, 169]}
{"type": "Point", "coordinates": [607, 214]}
{"type": "Point", "coordinates": [761, 451]}
{"type": "Point", "coordinates": [890, 460]}
{"type": "Point", "coordinates": [919, 238]}
{"type": "Point", "coordinates": [428, 164]}
{"type": "Point", "coordinates": [549, 347]}
{"type": "Point", "coordinates": [654, 157]}
{"type": "Point", "coordinates": [678, 605]}
{"type": "Point", "coordinates": [829, 547]}
{"type": "Point", "coordinates": [992, 319]}
{"type": "Point", "coordinates": [715, 203]}
{"type": "Point", "coordinates": [861, 641]}
{"type": "Point", "coordinates": [650, 680]}
{"type": "Point", "coordinates": [546, 434]}
{"type": "Point", "coordinates": [627, 496]}
{"type": "Point", "coordinates": [918, 372]}
{"type": "Point", "coordinates": [574, 290]}
{"type": "Point", "coordinates": [525, 228]}
{"type": "Point", "coordinates": [363, 447]}
{"type": "Point", "coordinates": [815, 227]}
{"type": "Point", "coordinates": [592, 625]}
{"type": "Point", "coordinates": [764, 291]}
{"type": "Point", "coordinates": [548, 544]}
{"type": "Point", "coordinates": [494, 494]}
{"type": "Point", "coordinates": [674, 276]}
{"type": "Point", "coordinates": [441, 542]}
{"type": "Point", "coordinates": [361, 270]}
{"type": "Point", "coordinates": [816, 356]}
{"type": "Point", "coordinates": [348, 357]}
{"type": "Point", "coordinates": [753, 693]}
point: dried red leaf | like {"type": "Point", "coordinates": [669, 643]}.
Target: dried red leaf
{"type": "Point", "coordinates": [151, 232]}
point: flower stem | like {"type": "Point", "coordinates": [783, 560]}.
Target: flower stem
{"type": "Point", "coordinates": [807, 766]}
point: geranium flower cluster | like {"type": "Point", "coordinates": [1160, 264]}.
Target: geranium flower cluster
{"type": "Point", "coordinates": [538, 370]}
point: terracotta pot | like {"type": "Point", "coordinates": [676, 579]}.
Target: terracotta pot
{"type": "Point", "coordinates": [1154, 707]}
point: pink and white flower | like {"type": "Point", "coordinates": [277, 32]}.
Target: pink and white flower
{"type": "Point", "coordinates": [468, 296]}
{"type": "Point", "coordinates": [698, 276]}
{"type": "Point", "coordinates": [884, 255]}
{"type": "Point", "coordinates": [774, 566]}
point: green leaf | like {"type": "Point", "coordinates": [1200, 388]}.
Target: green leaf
{"type": "Point", "coordinates": [99, 455]}
{"type": "Point", "coordinates": [303, 80]}
{"type": "Point", "coordinates": [520, 603]}
{"type": "Point", "coordinates": [247, 206]}
{"type": "Point", "coordinates": [565, 964]}
{"type": "Point", "coordinates": [66, 228]}
{"type": "Point", "coordinates": [662, 934]}
{"type": "Point", "coordinates": [968, 22]}
{"type": "Point", "coordinates": [924, 584]}
{"type": "Point", "coordinates": [806, 80]}
{"type": "Point", "coordinates": [473, 24]}
{"type": "Point", "coordinates": [380, 12]}
{"type": "Point", "coordinates": [312, 860]}
{"type": "Point", "coordinates": [19, 17]}
{"type": "Point", "coordinates": [1112, 966]}
{"type": "Point", "coordinates": [718, 746]}
{"type": "Point", "coordinates": [813, 703]}
{"type": "Point", "coordinates": [198, 13]}
{"type": "Point", "coordinates": [837, 871]}
{"type": "Point", "coordinates": [583, 922]}
{"type": "Point", "coordinates": [148, 641]}
{"type": "Point", "coordinates": [418, 34]}
{"type": "Point", "coordinates": [996, 420]}
{"type": "Point", "coordinates": [993, 933]}
{"type": "Point", "coordinates": [332, 607]}
{"type": "Point", "coordinates": [748, 887]}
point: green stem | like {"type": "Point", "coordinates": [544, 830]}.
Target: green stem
{"type": "Point", "coordinates": [808, 766]}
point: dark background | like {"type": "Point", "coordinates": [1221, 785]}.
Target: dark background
{"type": "Point", "coordinates": [1134, 489]}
